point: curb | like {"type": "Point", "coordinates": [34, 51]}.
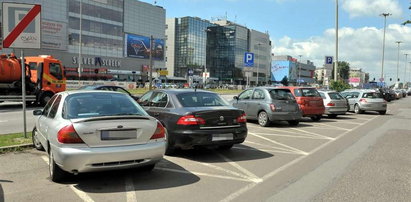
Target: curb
{"type": "Point", "coordinates": [15, 147]}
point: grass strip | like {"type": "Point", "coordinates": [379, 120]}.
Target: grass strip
{"type": "Point", "coordinates": [14, 139]}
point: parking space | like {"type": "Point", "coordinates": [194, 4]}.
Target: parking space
{"type": "Point", "coordinates": [204, 174]}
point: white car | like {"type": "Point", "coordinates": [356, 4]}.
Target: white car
{"type": "Point", "coordinates": [86, 131]}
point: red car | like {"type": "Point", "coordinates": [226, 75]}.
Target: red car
{"type": "Point", "coordinates": [309, 100]}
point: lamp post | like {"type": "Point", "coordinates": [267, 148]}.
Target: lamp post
{"type": "Point", "coordinates": [383, 42]}
{"type": "Point", "coordinates": [258, 61]}
{"type": "Point", "coordinates": [299, 71]}
{"type": "Point", "coordinates": [80, 60]}
{"type": "Point", "coordinates": [336, 42]}
{"type": "Point", "coordinates": [205, 65]}
{"type": "Point", "coordinates": [398, 60]}
{"type": "Point", "coordinates": [405, 68]}
{"type": "Point", "coordinates": [151, 63]}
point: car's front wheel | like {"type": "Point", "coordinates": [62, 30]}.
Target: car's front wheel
{"type": "Point", "coordinates": [382, 112]}
{"type": "Point", "coordinates": [56, 173]}
{"type": "Point", "coordinates": [357, 109]}
{"type": "Point", "coordinates": [316, 118]}
{"type": "Point", "coordinates": [35, 140]}
{"type": "Point", "coordinates": [263, 119]}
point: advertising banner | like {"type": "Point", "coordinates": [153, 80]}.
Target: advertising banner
{"type": "Point", "coordinates": [354, 80]}
{"type": "Point", "coordinates": [279, 70]}
{"type": "Point", "coordinates": [139, 47]}
{"type": "Point", "coordinates": [54, 35]}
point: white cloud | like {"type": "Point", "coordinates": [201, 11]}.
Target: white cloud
{"type": "Point", "coordinates": [357, 8]}
{"type": "Point", "coordinates": [360, 47]}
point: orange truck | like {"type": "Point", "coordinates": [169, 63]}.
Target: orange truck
{"type": "Point", "coordinates": [44, 78]}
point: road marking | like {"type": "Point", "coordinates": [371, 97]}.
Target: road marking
{"type": "Point", "coordinates": [202, 174]}
{"type": "Point", "coordinates": [314, 134]}
{"type": "Point", "coordinates": [251, 175]}
{"type": "Point", "coordinates": [284, 145]}
{"type": "Point", "coordinates": [228, 171]}
{"type": "Point", "coordinates": [83, 195]}
{"type": "Point", "coordinates": [332, 126]}
{"type": "Point", "coordinates": [306, 133]}
{"type": "Point", "coordinates": [271, 147]}
{"type": "Point", "coordinates": [276, 171]}
{"type": "Point", "coordinates": [296, 136]}
{"type": "Point", "coordinates": [3, 121]}
{"type": "Point", "coordinates": [130, 191]}
{"type": "Point", "coordinates": [267, 150]}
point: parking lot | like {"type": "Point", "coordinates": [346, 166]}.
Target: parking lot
{"type": "Point", "coordinates": [194, 175]}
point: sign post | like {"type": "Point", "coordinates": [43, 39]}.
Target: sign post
{"type": "Point", "coordinates": [21, 29]}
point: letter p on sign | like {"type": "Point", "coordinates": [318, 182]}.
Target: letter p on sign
{"type": "Point", "coordinates": [249, 59]}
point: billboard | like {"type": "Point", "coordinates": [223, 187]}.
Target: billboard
{"type": "Point", "coordinates": [137, 46]}
{"type": "Point", "coordinates": [279, 70]}
{"type": "Point", "coordinates": [54, 35]}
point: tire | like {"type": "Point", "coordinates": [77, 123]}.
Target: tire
{"type": "Point", "coordinates": [263, 119]}
{"type": "Point", "coordinates": [171, 149]}
{"type": "Point", "coordinates": [382, 112]}
{"type": "Point", "coordinates": [316, 118]}
{"type": "Point", "coordinates": [56, 173]}
{"type": "Point", "coordinates": [293, 123]}
{"type": "Point", "coordinates": [45, 98]}
{"type": "Point", "coordinates": [357, 109]}
{"type": "Point", "coordinates": [36, 142]}
{"type": "Point", "coordinates": [225, 147]}
{"type": "Point", "coordinates": [332, 116]}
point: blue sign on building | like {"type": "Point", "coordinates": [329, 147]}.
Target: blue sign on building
{"type": "Point", "coordinates": [328, 60]}
{"type": "Point", "coordinates": [249, 59]}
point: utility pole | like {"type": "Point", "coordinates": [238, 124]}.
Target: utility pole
{"type": "Point", "coordinates": [336, 42]}
{"type": "Point", "coordinates": [258, 62]}
{"type": "Point", "coordinates": [383, 42]}
{"type": "Point", "coordinates": [151, 63]}
{"type": "Point", "coordinates": [405, 68]}
{"type": "Point", "coordinates": [398, 60]}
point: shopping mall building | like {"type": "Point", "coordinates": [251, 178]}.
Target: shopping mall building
{"type": "Point", "coordinates": [115, 37]}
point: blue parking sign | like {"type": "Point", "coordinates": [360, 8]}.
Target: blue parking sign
{"type": "Point", "coordinates": [328, 60]}
{"type": "Point", "coordinates": [249, 59]}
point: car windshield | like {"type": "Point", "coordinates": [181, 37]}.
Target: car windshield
{"type": "Point", "coordinates": [281, 94]}
{"type": "Point", "coordinates": [372, 95]}
{"type": "Point", "coordinates": [85, 105]}
{"type": "Point", "coordinates": [306, 92]}
{"type": "Point", "coordinates": [200, 99]}
{"type": "Point", "coordinates": [335, 96]}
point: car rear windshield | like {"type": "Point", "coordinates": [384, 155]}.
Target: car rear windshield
{"type": "Point", "coordinates": [85, 105]}
{"type": "Point", "coordinates": [372, 95]}
{"type": "Point", "coordinates": [335, 96]}
{"type": "Point", "coordinates": [306, 92]}
{"type": "Point", "coordinates": [200, 99]}
{"type": "Point", "coordinates": [281, 94]}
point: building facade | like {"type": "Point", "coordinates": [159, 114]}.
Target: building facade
{"type": "Point", "coordinates": [296, 72]}
{"type": "Point", "coordinates": [115, 36]}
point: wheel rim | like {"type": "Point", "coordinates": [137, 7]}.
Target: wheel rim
{"type": "Point", "coordinates": [356, 109]}
{"type": "Point", "coordinates": [36, 142]}
{"type": "Point", "coordinates": [262, 118]}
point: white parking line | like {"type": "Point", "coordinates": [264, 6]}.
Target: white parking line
{"type": "Point", "coordinates": [275, 148]}
{"type": "Point", "coordinates": [227, 171]}
{"type": "Point", "coordinates": [251, 175]}
{"type": "Point", "coordinates": [276, 171]}
{"type": "Point", "coordinates": [202, 174]}
{"type": "Point", "coordinates": [332, 126]}
{"type": "Point", "coordinates": [314, 134]}
{"type": "Point", "coordinates": [267, 150]}
{"type": "Point", "coordinates": [130, 191]}
{"type": "Point", "coordinates": [296, 136]}
{"type": "Point", "coordinates": [1, 121]}
{"type": "Point", "coordinates": [286, 146]}
{"type": "Point", "coordinates": [306, 133]}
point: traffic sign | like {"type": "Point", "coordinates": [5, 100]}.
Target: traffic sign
{"type": "Point", "coordinates": [21, 25]}
{"type": "Point", "coordinates": [248, 59]}
{"type": "Point", "coordinates": [328, 60]}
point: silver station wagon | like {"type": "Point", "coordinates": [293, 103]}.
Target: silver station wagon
{"type": "Point", "coordinates": [365, 100]}
{"type": "Point", "coordinates": [267, 104]}
{"type": "Point", "coordinates": [334, 103]}
{"type": "Point", "coordinates": [85, 131]}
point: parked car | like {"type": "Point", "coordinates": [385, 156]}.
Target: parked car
{"type": "Point", "coordinates": [85, 131]}
{"type": "Point", "coordinates": [195, 118]}
{"type": "Point", "coordinates": [267, 104]}
{"type": "Point", "coordinates": [398, 94]}
{"type": "Point", "coordinates": [109, 88]}
{"type": "Point", "coordinates": [334, 103]}
{"type": "Point", "coordinates": [409, 91]}
{"type": "Point", "coordinates": [365, 100]}
{"type": "Point", "coordinates": [309, 100]}
{"type": "Point", "coordinates": [387, 94]}
{"type": "Point", "coordinates": [404, 92]}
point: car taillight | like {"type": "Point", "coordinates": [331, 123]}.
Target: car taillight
{"type": "Point", "coordinates": [242, 119]}
{"type": "Point", "coordinates": [331, 104]}
{"type": "Point", "coordinates": [67, 135]}
{"type": "Point", "coordinates": [190, 120]}
{"type": "Point", "coordinates": [159, 133]}
{"type": "Point", "coordinates": [363, 100]}
{"type": "Point", "coordinates": [272, 107]}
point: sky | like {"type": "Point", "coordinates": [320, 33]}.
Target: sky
{"type": "Point", "coordinates": [307, 28]}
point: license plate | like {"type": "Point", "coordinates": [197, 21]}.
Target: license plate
{"type": "Point", "coordinates": [219, 137]}
{"type": "Point", "coordinates": [118, 134]}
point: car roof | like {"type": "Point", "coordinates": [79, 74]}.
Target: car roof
{"type": "Point", "coordinates": [179, 91]}
{"type": "Point", "coordinates": [72, 92]}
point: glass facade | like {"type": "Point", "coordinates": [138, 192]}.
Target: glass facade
{"type": "Point", "coordinates": [191, 39]}
{"type": "Point", "coordinates": [102, 27]}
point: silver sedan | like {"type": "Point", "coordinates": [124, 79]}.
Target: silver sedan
{"type": "Point", "coordinates": [85, 131]}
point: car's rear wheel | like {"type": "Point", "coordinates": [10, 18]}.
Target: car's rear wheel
{"type": "Point", "coordinates": [263, 119]}
{"type": "Point", "coordinates": [357, 109]}
{"type": "Point", "coordinates": [36, 142]}
{"type": "Point", "coordinates": [56, 173]}
{"type": "Point", "coordinates": [316, 118]}
{"type": "Point", "coordinates": [225, 147]}
{"type": "Point", "coordinates": [293, 123]}
{"type": "Point", "coordinates": [332, 116]}
{"type": "Point", "coordinates": [382, 112]}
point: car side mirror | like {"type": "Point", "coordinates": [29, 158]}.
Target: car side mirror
{"type": "Point", "coordinates": [37, 112]}
{"type": "Point", "coordinates": [235, 98]}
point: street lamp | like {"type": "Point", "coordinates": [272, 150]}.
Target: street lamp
{"type": "Point", "coordinates": [405, 68]}
{"type": "Point", "coordinates": [205, 65]}
{"type": "Point", "coordinates": [336, 42]}
{"type": "Point", "coordinates": [258, 61]}
{"type": "Point", "coordinates": [299, 71]}
{"type": "Point", "coordinates": [383, 42]}
{"type": "Point", "coordinates": [398, 60]}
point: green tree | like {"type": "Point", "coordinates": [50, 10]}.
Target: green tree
{"type": "Point", "coordinates": [284, 81]}
{"type": "Point", "coordinates": [408, 21]}
{"type": "Point", "coordinates": [339, 86]}
{"type": "Point", "coordinates": [343, 70]}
